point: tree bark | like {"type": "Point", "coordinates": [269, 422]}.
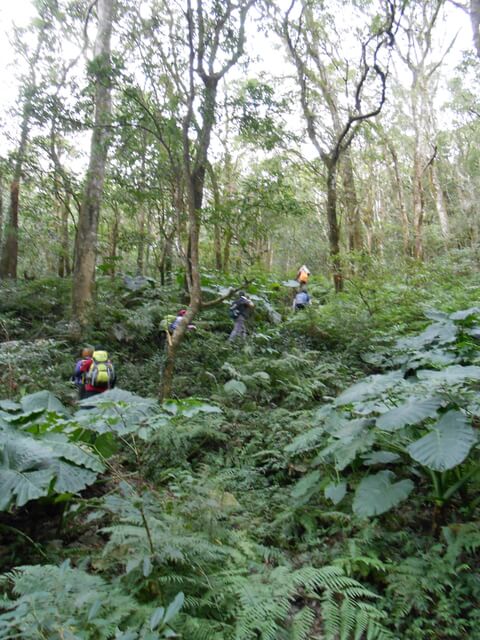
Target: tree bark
{"type": "Point", "coordinates": [64, 268]}
{"type": "Point", "coordinates": [439, 202]}
{"type": "Point", "coordinates": [333, 228]}
{"type": "Point", "coordinates": [9, 259]}
{"type": "Point", "coordinates": [87, 229]}
{"type": "Point", "coordinates": [354, 227]}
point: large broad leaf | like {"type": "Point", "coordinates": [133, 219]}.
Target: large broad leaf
{"type": "Point", "coordinates": [73, 452]}
{"type": "Point", "coordinates": [292, 284]}
{"type": "Point", "coordinates": [378, 493]}
{"type": "Point", "coordinates": [344, 452]}
{"type": "Point", "coordinates": [447, 445]}
{"type": "Point", "coordinates": [443, 332]}
{"type": "Point", "coordinates": [450, 375]}
{"type": "Point", "coordinates": [434, 314]}
{"type": "Point", "coordinates": [235, 388]}
{"type": "Point", "coordinates": [9, 405]}
{"type": "Point", "coordinates": [336, 491]}
{"type": "Point", "coordinates": [42, 401]}
{"type": "Point", "coordinates": [465, 313]}
{"type": "Point", "coordinates": [115, 410]}
{"type": "Point", "coordinates": [370, 387]}
{"type": "Point", "coordinates": [22, 486]}
{"type": "Point", "coordinates": [25, 453]}
{"type": "Point", "coordinates": [379, 457]}
{"type": "Point", "coordinates": [411, 412]}
{"type": "Point", "coordinates": [71, 479]}
{"type": "Point", "coordinates": [31, 467]}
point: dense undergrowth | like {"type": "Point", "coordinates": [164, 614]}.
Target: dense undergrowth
{"type": "Point", "coordinates": [318, 481]}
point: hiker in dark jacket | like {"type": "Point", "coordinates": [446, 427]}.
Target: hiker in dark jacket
{"type": "Point", "coordinates": [239, 312]}
{"type": "Point", "coordinates": [79, 372]}
{"type": "Point", "coordinates": [301, 300]}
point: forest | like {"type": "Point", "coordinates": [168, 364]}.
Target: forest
{"type": "Point", "coordinates": [313, 474]}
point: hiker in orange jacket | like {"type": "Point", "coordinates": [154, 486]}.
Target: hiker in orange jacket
{"type": "Point", "coordinates": [302, 275]}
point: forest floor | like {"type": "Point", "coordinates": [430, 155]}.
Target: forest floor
{"type": "Point", "coordinates": [244, 492]}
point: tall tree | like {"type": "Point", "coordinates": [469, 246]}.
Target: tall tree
{"type": "Point", "coordinates": [195, 48]}
{"type": "Point", "coordinates": [41, 26]}
{"type": "Point", "coordinates": [417, 55]}
{"type": "Point", "coordinates": [87, 228]}
{"type": "Point", "coordinates": [315, 52]}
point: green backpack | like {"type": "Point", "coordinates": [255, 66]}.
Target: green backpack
{"type": "Point", "coordinates": [101, 372]}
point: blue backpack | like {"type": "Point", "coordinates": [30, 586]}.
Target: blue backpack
{"type": "Point", "coordinates": [302, 298]}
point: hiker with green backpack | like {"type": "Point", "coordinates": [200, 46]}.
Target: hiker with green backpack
{"type": "Point", "coordinates": [99, 373]}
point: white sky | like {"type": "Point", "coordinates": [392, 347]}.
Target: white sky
{"type": "Point", "coordinates": [19, 12]}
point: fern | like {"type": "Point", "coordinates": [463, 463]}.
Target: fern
{"type": "Point", "coordinates": [61, 602]}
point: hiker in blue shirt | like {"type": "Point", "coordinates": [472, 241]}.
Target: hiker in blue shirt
{"type": "Point", "coordinates": [301, 300]}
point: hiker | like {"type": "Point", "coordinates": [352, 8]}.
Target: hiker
{"type": "Point", "coordinates": [99, 373]}
{"type": "Point", "coordinates": [173, 325]}
{"type": "Point", "coordinates": [302, 275]}
{"type": "Point", "coordinates": [239, 312]}
{"type": "Point", "coordinates": [78, 377]}
{"type": "Point", "coordinates": [301, 300]}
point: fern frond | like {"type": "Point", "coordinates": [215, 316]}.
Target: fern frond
{"type": "Point", "coordinates": [301, 624]}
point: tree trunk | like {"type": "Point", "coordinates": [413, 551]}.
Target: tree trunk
{"type": "Point", "coordinates": [333, 228]}
{"type": "Point", "coordinates": [114, 242]}
{"type": "Point", "coordinates": [141, 242]}
{"type": "Point", "coordinates": [202, 54]}
{"type": "Point", "coordinates": [9, 259]}
{"type": "Point", "coordinates": [64, 268]}
{"type": "Point", "coordinates": [86, 239]}
{"type": "Point", "coordinates": [354, 227]}
{"type": "Point", "coordinates": [439, 202]}
{"type": "Point", "coordinates": [418, 205]}
{"type": "Point", "coordinates": [401, 200]}
{"type": "Point", "coordinates": [226, 250]}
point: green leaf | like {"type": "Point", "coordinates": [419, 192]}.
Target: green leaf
{"type": "Point", "coordinates": [292, 284]}
{"type": "Point", "coordinates": [73, 452]}
{"type": "Point", "coordinates": [174, 607]}
{"type": "Point", "coordinates": [305, 485]}
{"type": "Point", "coordinates": [71, 479]}
{"type": "Point", "coordinates": [447, 445]}
{"type": "Point", "coordinates": [370, 387]}
{"type": "Point", "coordinates": [349, 438]}
{"type": "Point", "coordinates": [377, 494]}
{"type": "Point", "coordinates": [336, 491]}
{"type": "Point", "coordinates": [465, 313]}
{"type": "Point", "coordinates": [380, 457]}
{"type": "Point", "coordinates": [235, 388]}
{"type": "Point", "coordinates": [412, 411]}
{"type": "Point", "coordinates": [106, 445]}
{"type": "Point", "coordinates": [9, 405]}
{"type": "Point", "coordinates": [42, 401]}
{"type": "Point", "coordinates": [450, 375]}
{"type": "Point", "coordinates": [24, 486]}
{"type": "Point", "coordinates": [156, 618]}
